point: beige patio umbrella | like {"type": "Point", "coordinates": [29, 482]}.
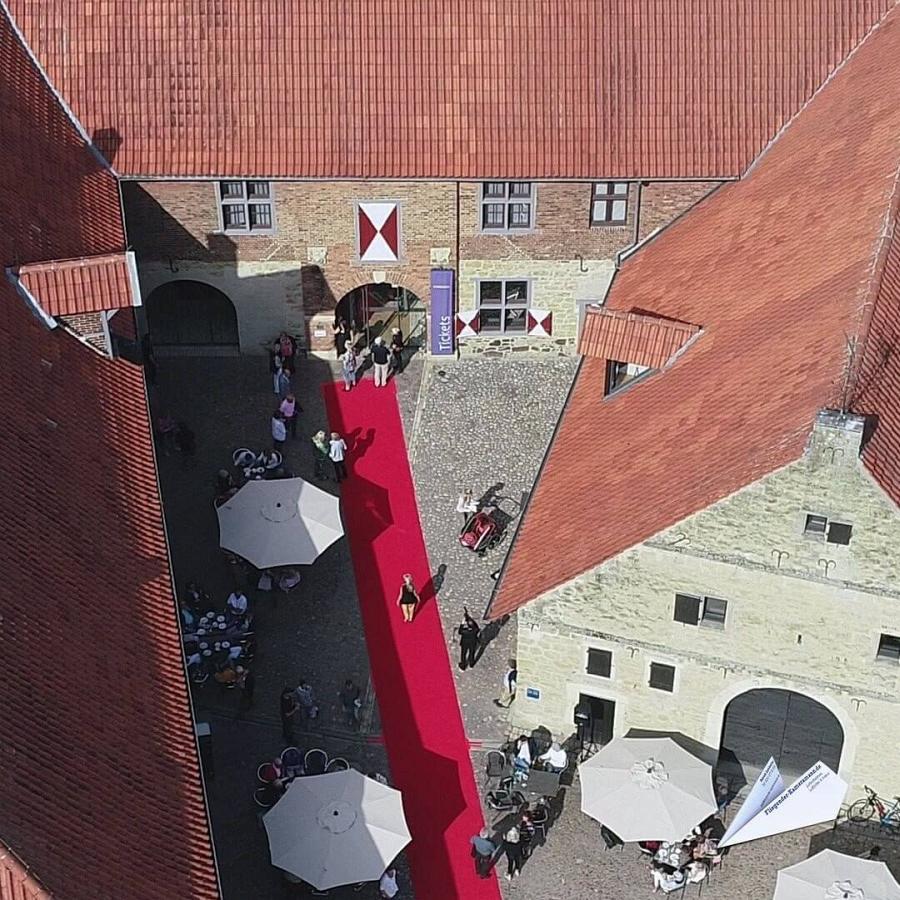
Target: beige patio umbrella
{"type": "Point", "coordinates": [338, 828]}
{"type": "Point", "coordinates": [835, 876]}
{"type": "Point", "coordinates": [646, 789]}
{"type": "Point", "coordinates": [283, 522]}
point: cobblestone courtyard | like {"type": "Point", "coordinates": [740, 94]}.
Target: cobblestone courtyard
{"type": "Point", "coordinates": [473, 423]}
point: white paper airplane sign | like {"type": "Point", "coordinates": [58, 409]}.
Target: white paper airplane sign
{"type": "Point", "coordinates": [815, 797]}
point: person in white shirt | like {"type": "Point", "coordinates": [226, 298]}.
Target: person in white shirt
{"type": "Point", "coordinates": [236, 604]}
{"type": "Point", "coordinates": [279, 431]}
{"type": "Point", "coordinates": [466, 504]}
{"type": "Point", "coordinates": [336, 450]}
{"type": "Point", "coordinates": [388, 886]}
{"type": "Point", "coordinates": [555, 759]}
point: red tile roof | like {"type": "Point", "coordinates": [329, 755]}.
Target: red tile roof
{"type": "Point", "coordinates": [65, 287]}
{"type": "Point", "coordinates": [16, 882]}
{"type": "Point", "coordinates": [440, 89]}
{"type": "Point", "coordinates": [779, 269]}
{"type": "Point", "coordinates": [632, 337]}
{"type": "Point", "coordinates": [100, 788]}
{"type": "Point", "coordinates": [876, 390]}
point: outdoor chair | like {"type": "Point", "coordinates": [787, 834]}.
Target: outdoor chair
{"type": "Point", "coordinates": [292, 761]}
{"type": "Point", "coordinates": [611, 840]}
{"type": "Point", "coordinates": [338, 764]}
{"type": "Point", "coordinates": [315, 762]}
{"type": "Point", "coordinates": [243, 457]}
{"type": "Point", "coordinates": [494, 766]}
{"type": "Point", "coordinates": [266, 796]}
{"type": "Point", "coordinates": [267, 773]}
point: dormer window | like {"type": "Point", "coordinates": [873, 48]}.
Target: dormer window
{"type": "Point", "coordinates": [620, 374]}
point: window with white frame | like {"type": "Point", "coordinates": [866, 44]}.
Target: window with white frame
{"type": "Point", "coordinates": [599, 662]}
{"type": "Point", "coordinates": [889, 647]}
{"type": "Point", "coordinates": [662, 677]}
{"type": "Point", "coordinates": [503, 306]}
{"type": "Point", "coordinates": [609, 202]}
{"type": "Point", "coordinates": [246, 206]}
{"type": "Point", "coordinates": [619, 374]}
{"type": "Point", "coordinates": [507, 206]}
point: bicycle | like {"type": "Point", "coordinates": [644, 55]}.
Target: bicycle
{"type": "Point", "coordinates": [863, 810]}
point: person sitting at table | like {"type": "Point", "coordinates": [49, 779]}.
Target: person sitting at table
{"type": "Point", "coordinates": [196, 597]}
{"type": "Point", "coordinates": [666, 878]}
{"type": "Point", "coordinates": [522, 761]}
{"type": "Point", "coordinates": [187, 616]}
{"type": "Point", "coordinates": [555, 759]}
{"type": "Point", "coordinates": [236, 605]}
{"type": "Point", "coordinates": [225, 487]}
{"type": "Point", "coordinates": [227, 676]}
{"type": "Point", "coordinates": [696, 872]}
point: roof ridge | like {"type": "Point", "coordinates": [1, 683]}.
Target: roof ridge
{"type": "Point", "coordinates": [70, 113]}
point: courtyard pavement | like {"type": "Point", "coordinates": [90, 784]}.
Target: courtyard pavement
{"type": "Point", "coordinates": [469, 423]}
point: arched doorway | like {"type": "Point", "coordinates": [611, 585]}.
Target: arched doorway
{"type": "Point", "coordinates": [191, 317]}
{"type": "Point", "coordinates": [795, 730]}
{"type": "Point", "coordinates": [376, 308]}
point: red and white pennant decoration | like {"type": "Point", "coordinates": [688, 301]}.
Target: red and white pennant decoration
{"type": "Point", "coordinates": [379, 232]}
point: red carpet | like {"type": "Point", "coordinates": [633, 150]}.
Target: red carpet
{"type": "Point", "coordinates": [420, 717]}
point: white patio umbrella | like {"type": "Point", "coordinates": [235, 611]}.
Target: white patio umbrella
{"type": "Point", "coordinates": [335, 829]}
{"type": "Point", "coordinates": [645, 789]}
{"type": "Point", "coordinates": [835, 876]}
{"type": "Point", "coordinates": [283, 522]}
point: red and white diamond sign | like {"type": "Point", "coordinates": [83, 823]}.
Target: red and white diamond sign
{"type": "Point", "coordinates": [379, 232]}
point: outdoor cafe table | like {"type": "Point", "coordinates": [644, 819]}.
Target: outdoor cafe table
{"type": "Point", "coordinates": [540, 783]}
{"type": "Point", "coordinates": [674, 855]}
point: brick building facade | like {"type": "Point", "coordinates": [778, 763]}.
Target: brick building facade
{"type": "Point", "coordinates": [293, 274]}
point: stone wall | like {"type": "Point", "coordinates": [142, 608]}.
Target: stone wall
{"type": "Point", "coordinates": [663, 201]}
{"type": "Point", "coordinates": [789, 626]}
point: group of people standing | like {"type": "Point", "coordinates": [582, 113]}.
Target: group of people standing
{"type": "Point", "coordinates": [387, 358]}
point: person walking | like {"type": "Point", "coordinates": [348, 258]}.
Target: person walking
{"type": "Point", "coordinates": [508, 688]}
{"type": "Point", "coordinates": [289, 707]}
{"type": "Point", "coordinates": [395, 366]}
{"type": "Point", "coordinates": [289, 409]}
{"type": "Point", "coordinates": [283, 381]}
{"type": "Point", "coordinates": [380, 358]}
{"type": "Point", "coordinates": [279, 431]}
{"type": "Point", "coordinates": [469, 635]}
{"type": "Point", "coordinates": [341, 337]}
{"type": "Point", "coordinates": [408, 598]}
{"type": "Point", "coordinates": [466, 504]}
{"type": "Point", "coordinates": [246, 683]}
{"type": "Point", "coordinates": [526, 836]}
{"type": "Point", "coordinates": [336, 450]}
{"type": "Point", "coordinates": [513, 848]}
{"type": "Point", "coordinates": [321, 454]}
{"type": "Point", "coordinates": [350, 702]}
{"type": "Point", "coordinates": [349, 364]}
{"type": "Point", "coordinates": [483, 851]}
{"type": "Point", "coordinates": [306, 702]}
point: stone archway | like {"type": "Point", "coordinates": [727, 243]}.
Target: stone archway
{"type": "Point", "coordinates": [791, 727]}
{"type": "Point", "coordinates": [374, 308]}
{"type": "Point", "coordinates": [187, 316]}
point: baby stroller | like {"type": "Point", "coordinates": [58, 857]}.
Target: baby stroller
{"type": "Point", "coordinates": [481, 532]}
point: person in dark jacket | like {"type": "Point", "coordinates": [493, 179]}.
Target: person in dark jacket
{"type": "Point", "coordinates": [469, 634]}
{"type": "Point", "coordinates": [395, 365]}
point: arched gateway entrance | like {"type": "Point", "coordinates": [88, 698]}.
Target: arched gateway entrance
{"type": "Point", "coordinates": [795, 730]}
{"type": "Point", "coordinates": [191, 317]}
{"type": "Point", "coordinates": [375, 308]}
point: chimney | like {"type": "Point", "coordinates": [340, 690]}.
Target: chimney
{"type": "Point", "coordinates": [836, 438]}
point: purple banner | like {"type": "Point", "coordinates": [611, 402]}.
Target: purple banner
{"type": "Point", "coordinates": [443, 326]}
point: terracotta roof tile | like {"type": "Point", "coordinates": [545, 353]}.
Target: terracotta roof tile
{"type": "Point", "coordinates": [100, 788]}
{"type": "Point", "coordinates": [632, 337]}
{"type": "Point", "coordinates": [778, 268]}
{"type": "Point", "coordinates": [440, 89]}
{"type": "Point", "coordinates": [70, 286]}
{"type": "Point", "coordinates": [16, 881]}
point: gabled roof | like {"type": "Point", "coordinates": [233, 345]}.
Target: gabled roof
{"type": "Point", "coordinates": [632, 337]}
{"type": "Point", "coordinates": [440, 89]}
{"type": "Point", "coordinates": [65, 287]}
{"type": "Point", "coordinates": [100, 787]}
{"type": "Point", "coordinates": [780, 268]}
